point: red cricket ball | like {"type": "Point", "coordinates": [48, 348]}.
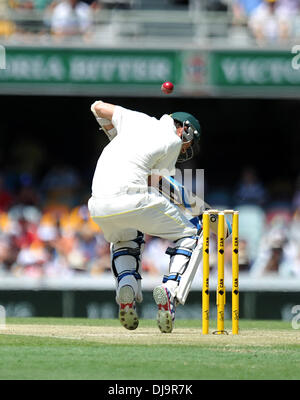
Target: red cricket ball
{"type": "Point", "coordinates": [167, 87]}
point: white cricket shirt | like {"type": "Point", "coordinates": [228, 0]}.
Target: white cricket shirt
{"type": "Point", "coordinates": [143, 144]}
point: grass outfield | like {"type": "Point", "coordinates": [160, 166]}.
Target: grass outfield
{"type": "Point", "coordinates": [81, 349]}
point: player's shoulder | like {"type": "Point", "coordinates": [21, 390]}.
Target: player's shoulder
{"type": "Point", "coordinates": [126, 112]}
{"type": "Point", "coordinates": [166, 119]}
{"type": "Point", "coordinates": [167, 124]}
{"type": "Point", "coordinates": [169, 128]}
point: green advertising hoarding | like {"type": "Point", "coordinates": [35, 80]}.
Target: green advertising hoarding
{"type": "Point", "coordinates": [253, 69]}
{"type": "Point", "coordinates": [195, 72]}
{"type": "Point", "coordinates": [87, 69]}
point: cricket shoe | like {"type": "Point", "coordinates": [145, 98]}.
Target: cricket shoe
{"type": "Point", "coordinates": [127, 312]}
{"type": "Point", "coordinates": [166, 309]}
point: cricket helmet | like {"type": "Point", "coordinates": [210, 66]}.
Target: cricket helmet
{"type": "Point", "coordinates": [191, 133]}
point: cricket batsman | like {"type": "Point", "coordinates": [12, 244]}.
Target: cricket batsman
{"type": "Point", "coordinates": [143, 149]}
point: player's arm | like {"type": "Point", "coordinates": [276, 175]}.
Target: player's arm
{"type": "Point", "coordinates": [103, 113]}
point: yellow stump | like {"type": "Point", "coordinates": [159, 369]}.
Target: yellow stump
{"type": "Point", "coordinates": [205, 283]}
{"type": "Point", "coordinates": [221, 286]}
{"type": "Point", "coordinates": [235, 273]}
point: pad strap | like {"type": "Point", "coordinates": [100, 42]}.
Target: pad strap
{"type": "Point", "coordinates": [126, 251]}
{"type": "Point", "coordinates": [139, 239]}
{"type": "Point", "coordinates": [172, 251]}
{"type": "Point", "coordinates": [172, 277]}
{"type": "Point", "coordinates": [126, 273]}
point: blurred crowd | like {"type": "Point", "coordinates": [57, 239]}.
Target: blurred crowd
{"type": "Point", "coordinates": [61, 18]}
{"type": "Point", "coordinates": [264, 21]}
{"type": "Point", "coordinates": [268, 20]}
{"type": "Point", "coordinates": [43, 233]}
{"type": "Point", "coordinates": [46, 230]}
{"type": "Point", "coordinates": [269, 228]}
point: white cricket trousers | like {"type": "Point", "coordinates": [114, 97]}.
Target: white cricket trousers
{"type": "Point", "coordinates": [121, 216]}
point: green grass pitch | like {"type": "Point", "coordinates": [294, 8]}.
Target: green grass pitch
{"type": "Point", "coordinates": [88, 349]}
